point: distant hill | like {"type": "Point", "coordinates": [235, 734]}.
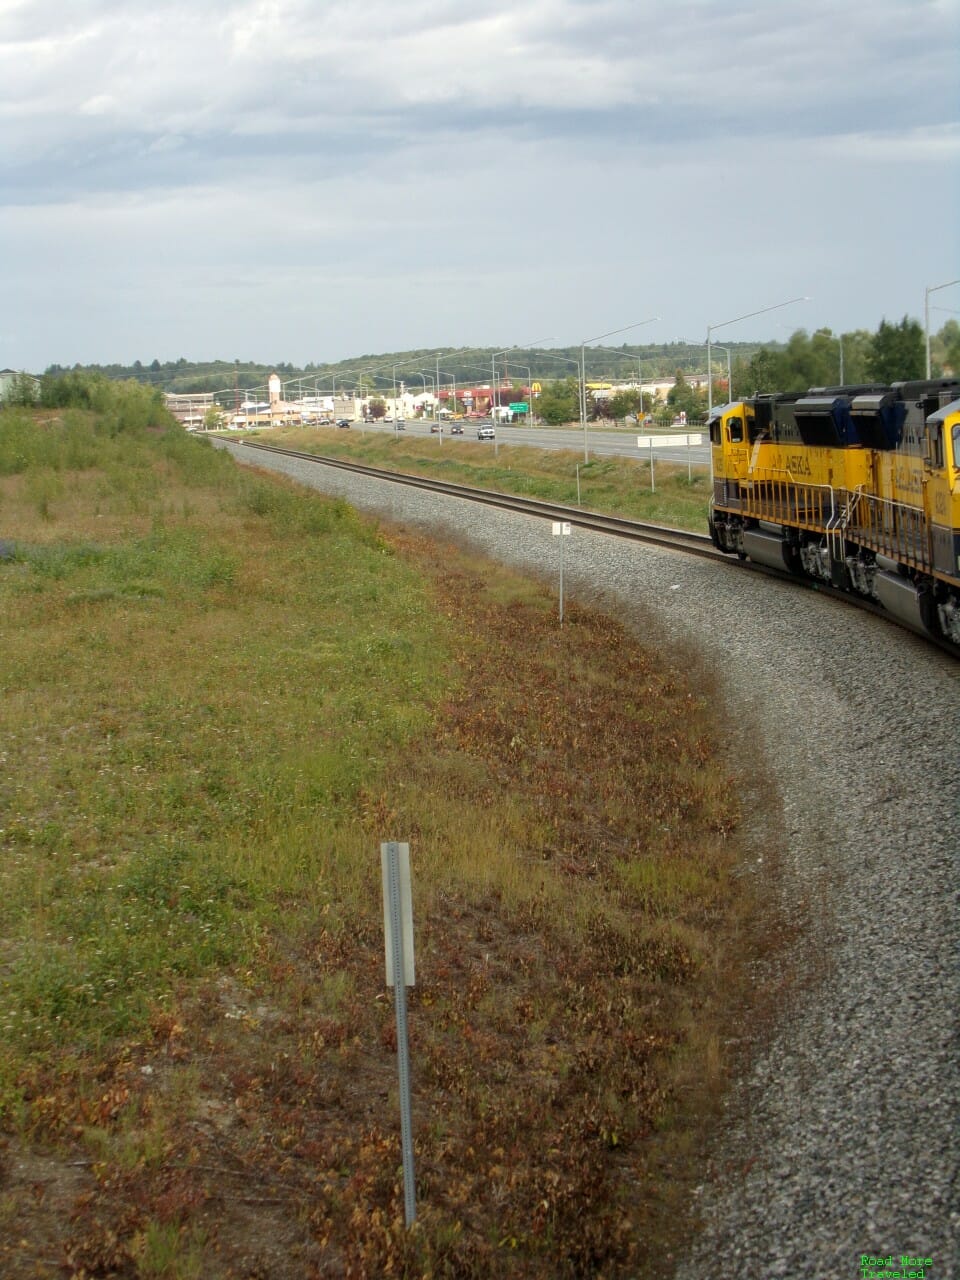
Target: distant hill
{"type": "Point", "coordinates": [656, 361]}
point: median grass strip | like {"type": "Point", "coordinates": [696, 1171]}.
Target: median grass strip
{"type": "Point", "coordinates": [220, 693]}
{"type": "Point", "coordinates": [612, 484]}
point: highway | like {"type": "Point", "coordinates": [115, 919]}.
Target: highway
{"type": "Point", "coordinates": [600, 441]}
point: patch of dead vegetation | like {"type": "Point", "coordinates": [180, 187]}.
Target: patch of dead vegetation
{"type": "Point", "coordinates": [577, 981]}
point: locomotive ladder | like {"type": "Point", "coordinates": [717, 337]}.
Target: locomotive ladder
{"type": "Point", "coordinates": [838, 524]}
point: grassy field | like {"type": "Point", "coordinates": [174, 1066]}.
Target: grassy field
{"type": "Point", "coordinates": [613, 485]}
{"type": "Point", "coordinates": [219, 694]}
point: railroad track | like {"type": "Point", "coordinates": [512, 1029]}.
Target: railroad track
{"type": "Point", "coordinates": [694, 544]}
{"type": "Point", "coordinates": [675, 539]}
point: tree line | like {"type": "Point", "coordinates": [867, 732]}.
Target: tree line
{"type": "Point", "coordinates": [377, 372]}
{"type": "Point", "coordinates": [895, 352]}
{"type": "Point", "coordinates": [120, 405]}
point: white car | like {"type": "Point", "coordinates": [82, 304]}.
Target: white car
{"type": "Point", "coordinates": [486, 433]}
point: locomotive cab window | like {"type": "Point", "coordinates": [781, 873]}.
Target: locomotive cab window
{"type": "Point", "coordinates": [955, 441]}
{"type": "Point", "coordinates": [736, 430]}
{"type": "Point", "coordinates": [935, 446]}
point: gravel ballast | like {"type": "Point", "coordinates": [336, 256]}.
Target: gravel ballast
{"type": "Point", "coordinates": [843, 1139]}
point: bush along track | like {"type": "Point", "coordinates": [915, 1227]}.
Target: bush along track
{"type": "Point", "coordinates": [582, 939]}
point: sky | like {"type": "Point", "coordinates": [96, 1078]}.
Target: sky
{"type": "Point", "coordinates": [306, 181]}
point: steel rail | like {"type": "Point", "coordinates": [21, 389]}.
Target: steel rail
{"type": "Point", "coordinates": [676, 539]}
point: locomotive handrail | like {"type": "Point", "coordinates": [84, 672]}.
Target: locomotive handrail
{"type": "Point", "coordinates": [893, 529]}
{"type": "Point", "coordinates": [777, 491]}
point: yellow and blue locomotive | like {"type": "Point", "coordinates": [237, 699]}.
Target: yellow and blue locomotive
{"type": "Point", "coordinates": [855, 486]}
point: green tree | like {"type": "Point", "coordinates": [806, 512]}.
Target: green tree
{"type": "Point", "coordinates": [824, 359]}
{"type": "Point", "coordinates": [684, 398]}
{"type": "Point", "coordinates": [559, 402]}
{"type": "Point", "coordinates": [898, 352]}
{"type": "Point", "coordinates": [623, 403]}
{"type": "Point", "coordinates": [856, 355]}
{"type": "Point", "coordinates": [762, 374]}
{"type": "Point", "coordinates": [948, 348]}
{"type": "Point", "coordinates": [72, 389]}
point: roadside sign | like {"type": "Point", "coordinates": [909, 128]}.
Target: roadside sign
{"type": "Point", "coordinates": [679, 441]}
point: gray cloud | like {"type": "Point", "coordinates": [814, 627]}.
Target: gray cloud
{"type": "Point", "coordinates": [407, 147]}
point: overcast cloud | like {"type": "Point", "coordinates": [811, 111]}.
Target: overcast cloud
{"type": "Point", "coordinates": [293, 180]}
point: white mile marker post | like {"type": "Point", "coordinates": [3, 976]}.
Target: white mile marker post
{"type": "Point", "coordinates": [561, 530]}
{"type": "Point", "coordinates": [398, 953]}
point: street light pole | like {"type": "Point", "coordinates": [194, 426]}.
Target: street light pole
{"type": "Point", "coordinates": [447, 373]}
{"type": "Point", "coordinates": [736, 320]}
{"type": "Point", "coordinates": [729, 373]}
{"type": "Point", "coordinates": [493, 367]}
{"type": "Point", "coordinates": [583, 373]}
{"type": "Point", "coordinates": [433, 388]}
{"type": "Point", "coordinates": [423, 379]}
{"type": "Point", "coordinates": [494, 400]}
{"type": "Point", "coordinates": [926, 314]}
{"type": "Point", "coordinates": [583, 399]}
{"type": "Point", "coordinates": [529, 373]}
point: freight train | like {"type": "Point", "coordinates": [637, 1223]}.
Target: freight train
{"type": "Point", "coordinates": [856, 486]}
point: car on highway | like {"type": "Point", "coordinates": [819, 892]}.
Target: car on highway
{"type": "Point", "coordinates": [435, 428]}
{"type": "Point", "coordinates": [457, 429]}
{"type": "Point", "coordinates": [342, 422]}
{"type": "Point", "coordinates": [486, 433]}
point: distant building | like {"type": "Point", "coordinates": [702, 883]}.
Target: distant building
{"type": "Point", "coordinates": [13, 380]}
{"type": "Point", "coordinates": [190, 408]}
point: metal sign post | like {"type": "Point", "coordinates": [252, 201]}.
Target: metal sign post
{"type": "Point", "coordinates": [398, 949]}
{"type": "Point", "coordinates": [561, 530]}
{"type": "Point", "coordinates": [646, 442]}
{"type": "Point", "coordinates": [668, 442]}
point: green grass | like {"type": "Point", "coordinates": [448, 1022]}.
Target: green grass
{"type": "Point", "coordinates": [612, 485]}
{"type": "Point", "coordinates": [218, 694]}
{"type": "Point", "coordinates": [175, 688]}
